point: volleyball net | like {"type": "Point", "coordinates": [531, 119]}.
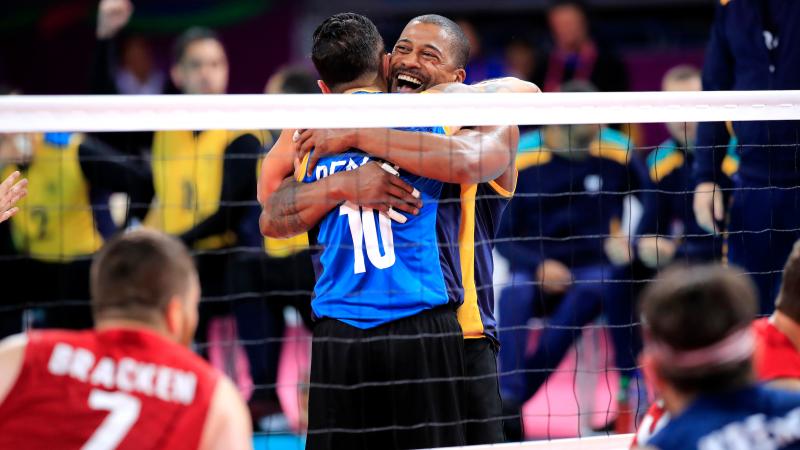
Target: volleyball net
{"type": "Point", "coordinates": [609, 203]}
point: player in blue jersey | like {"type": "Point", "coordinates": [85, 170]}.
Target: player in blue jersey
{"type": "Point", "coordinates": [472, 199]}
{"type": "Point", "coordinates": [363, 323]}
{"type": "Point", "coordinates": [699, 355]}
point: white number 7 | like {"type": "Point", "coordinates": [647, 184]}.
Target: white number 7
{"type": "Point", "coordinates": [123, 410]}
{"type": "Point", "coordinates": [362, 229]}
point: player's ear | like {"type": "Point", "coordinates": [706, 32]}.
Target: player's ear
{"type": "Point", "coordinates": [460, 75]}
{"type": "Point", "coordinates": [174, 317]}
{"type": "Point", "coordinates": [323, 87]}
{"type": "Point", "coordinates": [387, 65]}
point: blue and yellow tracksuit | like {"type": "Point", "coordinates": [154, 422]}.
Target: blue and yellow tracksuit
{"type": "Point", "coordinates": [754, 46]}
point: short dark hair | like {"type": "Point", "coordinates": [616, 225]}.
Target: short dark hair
{"type": "Point", "coordinates": [788, 301]}
{"type": "Point", "coordinates": [459, 44]}
{"type": "Point", "coordinates": [188, 38]}
{"type": "Point", "coordinates": [688, 308]}
{"type": "Point", "coordinates": [135, 275]}
{"type": "Point", "coordinates": [579, 4]}
{"type": "Point", "coordinates": [346, 46]}
{"type": "Point", "coordinates": [298, 80]}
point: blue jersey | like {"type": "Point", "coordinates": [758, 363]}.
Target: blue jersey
{"type": "Point", "coordinates": [371, 270]}
{"type": "Point", "coordinates": [755, 417]}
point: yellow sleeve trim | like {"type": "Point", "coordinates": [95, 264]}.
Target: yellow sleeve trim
{"type": "Point", "coordinates": [609, 151]}
{"type": "Point", "coordinates": [730, 166]}
{"type": "Point", "coordinates": [302, 169]}
{"type": "Point", "coordinates": [661, 169]}
{"type": "Point", "coordinates": [501, 190]}
{"type": "Point", "coordinates": [451, 130]}
{"type": "Point", "coordinates": [536, 158]}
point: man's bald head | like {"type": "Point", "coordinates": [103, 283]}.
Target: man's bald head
{"type": "Point", "coordinates": [458, 42]}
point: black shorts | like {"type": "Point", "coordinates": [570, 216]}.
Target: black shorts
{"type": "Point", "coordinates": [396, 386]}
{"type": "Point", "coordinates": [484, 407]}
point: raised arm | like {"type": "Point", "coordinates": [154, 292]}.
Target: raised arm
{"type": "Point", "coordinates": [296, 207]}
{"type": "Point", "coordinates": [472, 155]}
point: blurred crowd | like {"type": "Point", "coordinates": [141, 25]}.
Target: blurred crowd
{"type": "Point", "coordinates": [595, 216]}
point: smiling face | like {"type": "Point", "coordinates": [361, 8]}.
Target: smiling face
{"type": "Point", "coordinates": [422, 58]}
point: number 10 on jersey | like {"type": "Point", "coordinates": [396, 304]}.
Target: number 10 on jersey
{"type": "Point", "coordinates": [364, 231]}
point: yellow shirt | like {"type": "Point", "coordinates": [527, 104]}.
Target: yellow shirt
{"type": "Point", "coordinates": [187, 177]}
{"type": "Point", "coordinates": [55, 222]}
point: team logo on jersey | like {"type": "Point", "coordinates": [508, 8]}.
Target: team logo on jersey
{"type": "Point", "coordinates": [593, 183]}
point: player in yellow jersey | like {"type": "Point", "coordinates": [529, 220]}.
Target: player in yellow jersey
{"type": "Point", "coordinates": [62, 221]}
{"type": "Point", "coordinates": [204, 184]}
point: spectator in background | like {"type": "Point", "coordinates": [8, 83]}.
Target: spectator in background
{"type": "Point", "coordinates": [668, 230]}
{"type": "Point", "coordinates": [699, 355]}
{"type": "Point", "coordinates": [481, 66]}
{"type": "Point", "coordinates": [205, 185]}
{"type": "Point", "coordinates": [134, 71]}
{"type": "Point", "coordinates": [61, 222]}
{"type": "Point", "coordinates": [753, 46]}
{"type": "Point", "coordinates": [575, 55]}
{"type": "Point", "coordinates": [570, 195]}
{"type": "Point", "coordinates": [520, 59]}
{"type": "Point", "coordinates": [292, 80]}
{"type": "Point", "coordinates": [284, 267]}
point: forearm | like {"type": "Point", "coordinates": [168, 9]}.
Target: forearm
{"type": "Point", "coordinates": [296, 207]}
{"type": "Point", "coordinates": [469, 157]}
{"type": "Point", "coordinates": [506, 84]}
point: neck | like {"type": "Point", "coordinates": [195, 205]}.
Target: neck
{"type": "Point", "coordinates": [787, 326]}
{"type": "Point", "coordinates": [371, 81]}
{"type": "Point", "coordinates": [675, 402]}
{"type": "Point", "coordinates": [128, 324]}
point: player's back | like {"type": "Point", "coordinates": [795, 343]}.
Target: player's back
{"type": "Point", "coordinates": [755, 417]}
{"type": "Point", "coordinates": [115, 388]}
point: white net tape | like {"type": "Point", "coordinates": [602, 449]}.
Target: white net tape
{"type": "Point", "coordinates": [237, 112]}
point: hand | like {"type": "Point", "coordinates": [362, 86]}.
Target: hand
{"type": "Point", "coordinates": [554, 276]}
{"type": "Point", "coordinates": [372, 187]}
{"type": "Point", "coordinates": [324, 142]}
{"type": "Point", "coordinates": [708, 208]}
{"type": "Point", "coordinates": [11, 191]}
{"type": "Point", "coordinates": [618, 250]}
{"type": "Point", "coordinates": [656, 252]}
{"type": "Point", "coordinates": [112, 15]}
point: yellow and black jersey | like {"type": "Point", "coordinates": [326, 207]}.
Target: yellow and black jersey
{"type": "Point", "coordinates": [55, 222]}
{"type": "Point", "coordinates": [189, 179]}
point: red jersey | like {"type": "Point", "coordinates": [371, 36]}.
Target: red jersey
{"type": "Point", "coordinates": [775, 356]}
{"type": "Point", "coordinates": [96, 390]}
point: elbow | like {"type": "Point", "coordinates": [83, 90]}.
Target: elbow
{"type": "Point", "coordinates": [482, 167]}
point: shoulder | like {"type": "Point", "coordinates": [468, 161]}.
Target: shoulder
{"type": "Point", "coordinates": [612, 145]}
{"type": "Point", "coordinates": [227, 424]}
{"type": "Point", "coordinates": [664, 160]}
{"type": "Point", "coordinates": [12, 358]}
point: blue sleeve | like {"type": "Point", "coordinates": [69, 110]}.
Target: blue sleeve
{"type": "Point", "coordinates": [718, 73]}
{"type": "Point", "coordinates": [514, 238]}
